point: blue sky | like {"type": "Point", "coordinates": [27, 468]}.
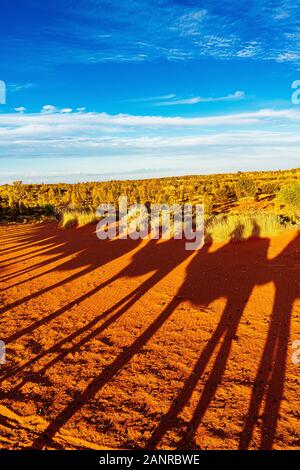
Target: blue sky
{"type": "Point", "coordinates": [110, 89]}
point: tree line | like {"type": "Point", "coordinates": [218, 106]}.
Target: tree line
{"type": "Point", "coordinates": [20, 200]}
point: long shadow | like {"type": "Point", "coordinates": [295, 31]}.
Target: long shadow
{"type": "Point", "coordinates": [98, 383]}
{"type": "Point", "coordinates": [33, 267]}
{"type": "Point", "coordinates": [43, 321]}
{"type": "Point", "coordinates": [209, 276]}
{"type": "Point", "coordinates": [27, 241]}
{"type": "Point", "coordinates": [26, 256]}
{"type": "Point", "coordinates": [202, 286]}
{"type": "Point", "coordinates": [161, 258]}
{"type": "Point", "coordinates": [152, 257]}
{"type": "Point", "coordinates": [129, 300]}
{"type": "Point", "coordinates": [143, 262]}
{"type": "Point", "coordinates": [24, 246]}
{"type": "Point", "coordinates": [269, 383]}
{"type": "Point", "coordinates": [86, 252]}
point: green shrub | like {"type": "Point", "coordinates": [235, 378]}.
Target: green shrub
{"type": "Point", "coordinates": [224, 194]}
{"type": "Point", "coordinates": [269, 187]}
{"type": "Point", "coordinates": [208, 205]}
{"type": "Point", "coordinates": [289, 196]}
{"type": "Point", "coordinates": [245, 187]}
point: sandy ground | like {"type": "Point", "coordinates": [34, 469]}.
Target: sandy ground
{"type": "Point", "coordinates": [129, 344]}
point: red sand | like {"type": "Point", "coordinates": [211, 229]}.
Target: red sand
{"type": "Point", "coordinates": [126, 344]}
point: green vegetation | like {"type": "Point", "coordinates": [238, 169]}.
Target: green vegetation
{"type": "Point", "coordinates": [289, 197]}
{"type": "Point", "coordinates": [245, 187]}
{"type": "Point", "coordinates": [275, 195]}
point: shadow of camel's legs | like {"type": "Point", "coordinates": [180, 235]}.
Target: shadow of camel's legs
{"type": "Point", "coordinates": [275, 393]}
{"type": "Point", "coordinates": [210, 388]}
{"type": "Point", "coordinates": [129, 300]}
{"type": "Point", "coordinates": [169, 419]}
{"type": "Point", "coordinates": [269, 381]}
{"type": "Point", "coordinates": [71, 337]}
{"type": "Point", "coordinates": [21, 272]}
{"type": "Point", "coordinates": [226, 328]}
{"type": "Point", "coordinates": [27, 256]}
{"type": "Point", "coordinates": [44, 291]}
{"type": "Point", "coordinates": [25, 246]}
{"type": "Point", "coordinates": [108, 373]}
{"type": "Point", "coordinates": [57, 313]}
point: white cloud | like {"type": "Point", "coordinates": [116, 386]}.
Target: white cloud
{"type": "Point", "coordinates": [91, 121]}
{"type": "Point", "coordinates": [100, 142]}
{"type": "Point", "coordinates": [66, 110]}
{"type": "Point", "coordinates": [153, 144]}
{"type": "Point", "coordinates": [55, 133]}
{"type": "Point", "coordinates": [252, 49]}
{"type": "Point", "coordinates": [238, 95]}
{"type": "Point", "coordinates": [49, 108]}
{"type": "Point", "coordinates": [21, 109]}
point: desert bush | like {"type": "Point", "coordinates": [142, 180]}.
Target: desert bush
{"type": "Point", "coordinates": [224, 194]}
{"type": "Point", "coordinates": [289, 196]}
{"type": "Point", "coordinates": [269, 187]}
{"type": "Point", "coordinates": [238, 226]}
{"type": "Point", "coordinates": [208, 205]}
{"type": "Point", "coordinates": [245, 187]}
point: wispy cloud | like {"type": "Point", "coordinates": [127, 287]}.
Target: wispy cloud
{"type": "Point", "coordinates": [150, 98]}
{"type": "Point", "coordinates": [289, 56]}
{"type": "Point", "coordinates": [238, 95]}
{"type": "Point", "coordinates": [189, 24]}
{"type": "Point", "coordinates": [86, 133]}
{"type": "Point", "coordinates": [88, 120]}
{"type": "Point", "coordinates": [149, 30]}
{"type": "Point", "coordinates": [100, 143]}
{"type": "Point", "coordinates": [16, 87]}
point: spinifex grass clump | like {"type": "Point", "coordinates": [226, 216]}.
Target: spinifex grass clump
{"type": "Point", "coordinates": [71, 218]}
{"type": "Point", "coordinates": [239, 227]}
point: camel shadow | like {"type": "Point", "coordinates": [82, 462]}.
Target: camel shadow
{"type": "Point", "coordinates": [269, 382]}
{"type": "Point", "coordinates": [230, 272]}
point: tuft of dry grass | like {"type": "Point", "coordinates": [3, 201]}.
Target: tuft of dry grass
{"type": "Point", "coordinates": [72, 218]}
{"type": "Point", "coordinates": [242, 226]}
{"type": "Point", "coordinates": [220, 228]}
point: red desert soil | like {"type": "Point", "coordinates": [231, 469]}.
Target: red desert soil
{"type": "Point", "coordinates": [129, 344]}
